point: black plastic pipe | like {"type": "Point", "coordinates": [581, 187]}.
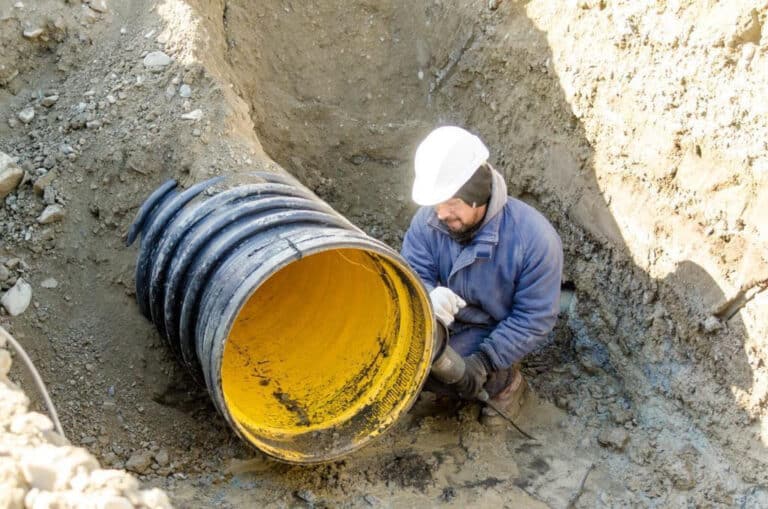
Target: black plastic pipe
{"type": "Point", "coordinates": [208, 276]}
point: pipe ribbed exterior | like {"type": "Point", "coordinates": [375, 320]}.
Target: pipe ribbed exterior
{"type": "Point", "coordinates": [311, 337]}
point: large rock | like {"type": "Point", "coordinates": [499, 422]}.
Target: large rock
{"type": "Point", "coordinates": [17, 299]}
{"type": "Point", "coordinates": [10, 175]}
{"type": "Point", "coordinates": [50, 468]}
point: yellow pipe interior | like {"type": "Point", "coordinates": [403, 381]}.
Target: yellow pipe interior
{"type": "Point", "coordinates": [323, 340]}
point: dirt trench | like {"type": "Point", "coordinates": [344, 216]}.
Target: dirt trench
{"type": "Point", "coordinates": [608, 117]}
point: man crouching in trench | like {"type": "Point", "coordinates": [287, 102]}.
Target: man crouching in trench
{"type": "Point", "coordinates": [491, 263]}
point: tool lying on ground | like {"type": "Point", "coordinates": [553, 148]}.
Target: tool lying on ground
{"type": "Point", "coordinates": [449, 368]}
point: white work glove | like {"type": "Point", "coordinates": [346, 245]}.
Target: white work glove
{"type": "Point", "coordinates": [446, 304]}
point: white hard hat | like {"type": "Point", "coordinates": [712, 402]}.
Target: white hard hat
{"type": "Point", "coordinates": [445, 160]}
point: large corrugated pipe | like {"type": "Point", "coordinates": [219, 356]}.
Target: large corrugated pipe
{"type": "Point", "coordinates": [311, 337]}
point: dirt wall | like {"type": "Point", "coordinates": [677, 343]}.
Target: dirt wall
{"type": "Point", "coordinates": [638, 130]}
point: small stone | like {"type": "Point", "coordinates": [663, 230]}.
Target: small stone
{"type": "Point", "coordinates": [111, 99]}
{"type": "Point", "coordinates": [307, 496]}
{"type": "Point", "coordinates": [162, 458]}
{"type": "Point", "coordinates": [93, 124]}
{"type": "Point", "coordinates": [10, 175]}
{"type": "Point", "coordinates": [4, 273]}
{"type": "Point", "coordinates": [27, 114]}
{"type": "Point", "coordinates": [193, 115]}
{"type": "Point", "coordinates": [157, 60]}
{"type": "Point", "coordinates": [712, 324]}
{"type": "Point", "coordinates": [49, 101]}
{"type": "Point", "coordinates": [139, 462]}
{"type": "Point", "coordinates": [98, 5]}
{"type": "Point", "coordinates": [49, 196]}
{"type": "Point", "coordinates": [614, 438]}
{"type": "Point", "coordinates": [185, 91]}
{"type": "Point", "coordinates": [49, 283]}
{"type": "Point", "coordinates": [17, 299]}
{"type": "Point", "coordinates": [32, 33]}
{"type": "Point", "coordinates": [51, 214]}
{"type": "Point", "coordinates": [42, 183]}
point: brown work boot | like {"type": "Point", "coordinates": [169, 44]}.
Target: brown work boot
{"type": "Point", "coordinates": [510, 400]}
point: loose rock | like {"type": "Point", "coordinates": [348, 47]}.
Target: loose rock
{"type": "Point", "coordinates": [49, 101]}
{"type": "Point", "coordinates": [32, 33]}
{"type": "Point", "coordinates": [31, 423]}
{"type": "Point", "coordinates": [98, 5]}
{"type": "Point", "coordinates": [17, 299]}
{"type": "Point", "coordinates": [51, 214]}
{"type": "Point", "coordinates": [614, 438]}
{"type": "Point", "coordinates": [139, 462]}
{"type": "Point", "coordinates": [49, 196]}
{"type": "Point", "coordinates": [157, 60]}
{"type": "Point", "coordinates": [10, 175]}
{"type": "Point", "coordinates": [27, 114]}
{"type": "Point", "coordinates": [42, 183]}
{"type": "Point", "coordinates": [162, 458]}
{"type": "Point", "coordinates": [193, 115]}
{"type": "Point", "coordinates": [185, 91]}
{"type": "Point", "coordinates": [711, 324]}
{"type": "Point", "coordinates": [49, 283]}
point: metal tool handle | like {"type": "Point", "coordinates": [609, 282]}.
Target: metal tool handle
{"type": "Point", "coordinates": [484, 398]}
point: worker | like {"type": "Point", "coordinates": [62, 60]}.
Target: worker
{"type": "Point", "coordinates": [491, 263]}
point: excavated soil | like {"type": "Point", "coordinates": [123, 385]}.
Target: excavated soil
{"type": "Point", "coordinates": [638, 129]}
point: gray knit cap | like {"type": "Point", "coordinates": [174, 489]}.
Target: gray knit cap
{"type": "Point", "coordinates": [477, 190]}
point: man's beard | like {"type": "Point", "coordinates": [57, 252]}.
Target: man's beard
{"type": "Point", "coordinates": [465, 233]}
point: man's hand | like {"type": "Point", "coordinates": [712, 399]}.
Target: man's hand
{"type": "Point", "coordinates": [475, 376]}
{"type": "Point", "coordinates": [446, 304]}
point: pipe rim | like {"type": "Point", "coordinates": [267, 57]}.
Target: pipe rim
{"type": "Point", "coordinates": [250, 285]}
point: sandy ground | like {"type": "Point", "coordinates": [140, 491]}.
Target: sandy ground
{"type": "Point", "coordinates": [652, 392]}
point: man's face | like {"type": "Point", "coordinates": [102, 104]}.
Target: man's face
{"type": "Point", "coordinates": [457, 215]}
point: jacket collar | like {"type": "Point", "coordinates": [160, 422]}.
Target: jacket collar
{"type": "Point", "coordinates": [489, 231]}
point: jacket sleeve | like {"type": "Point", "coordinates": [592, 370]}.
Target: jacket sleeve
{"type": "Point", "coordinates": [536, 302]}
{"type": "Point", "coordinates": [417, 252]}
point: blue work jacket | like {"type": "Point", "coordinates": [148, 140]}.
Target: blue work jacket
{"type": "Point", "coordinates": [509, 274]}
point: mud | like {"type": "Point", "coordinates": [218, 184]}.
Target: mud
{"type": "Point", "coordinates": [638, 130]}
